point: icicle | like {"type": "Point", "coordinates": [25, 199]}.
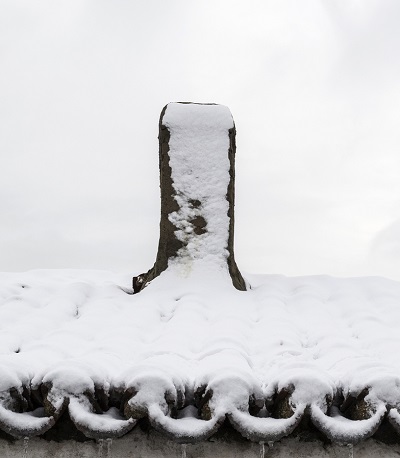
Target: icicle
{"type": "Point", "coordinates": [183, 447]}
{"type": "Point", "coordinates": [100, 449]}
{"type": "Point", "coordinates": [351, 450]}
{"type": "Point", "coordinates": [262, 450]}
{"type": "Point", "coordinates": [109, 443]}
{"type": "Point", "coordinates": [26, 443]}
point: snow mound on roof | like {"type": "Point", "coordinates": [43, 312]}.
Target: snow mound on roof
{"type": "Point", "coordinates": [186, 357]}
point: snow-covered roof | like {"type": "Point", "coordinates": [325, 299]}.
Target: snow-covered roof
{"type": "Point", "coordinates": [186, 357]}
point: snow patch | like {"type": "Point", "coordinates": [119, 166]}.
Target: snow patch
{"type": "Point", "coordinates": [198, 151]}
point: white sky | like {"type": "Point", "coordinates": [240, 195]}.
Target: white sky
{"type": "Point", "coordinates": [314, 88]}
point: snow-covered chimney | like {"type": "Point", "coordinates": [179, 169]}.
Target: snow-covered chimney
{"type": "Point", "coordinates": [197, 152]}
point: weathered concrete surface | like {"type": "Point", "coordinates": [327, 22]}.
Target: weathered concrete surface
{"type": "Point", "coordinates": [139, 444]}
{"type": "Point", "coordinates": [169, 244]}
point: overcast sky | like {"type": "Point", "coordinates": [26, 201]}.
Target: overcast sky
{"type": "Point", "coordinates": [313, 86]}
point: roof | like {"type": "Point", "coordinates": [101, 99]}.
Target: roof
{"type": "Point", "coordinates": [187, 354]}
